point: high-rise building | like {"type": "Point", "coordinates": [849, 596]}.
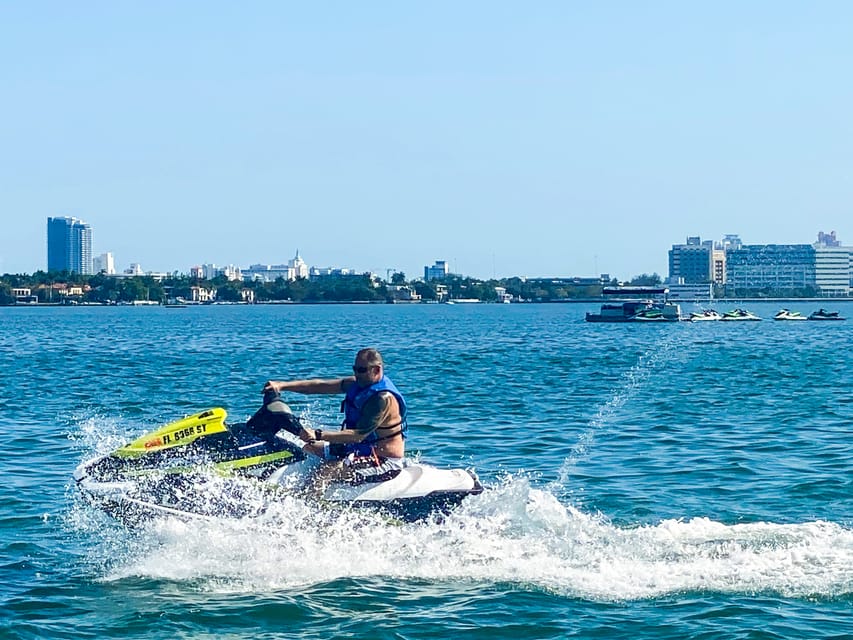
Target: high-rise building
{"type": "Point", "coordinates": [833, 275]}
{"type": "Point", "coordinates": [438, 271]}
{"type": "Point", "coordinates": [104, 263]}
{"type": "Point", "coordinates": [692, 263]}
{"type": "Point", "coordinates": [69, 245]}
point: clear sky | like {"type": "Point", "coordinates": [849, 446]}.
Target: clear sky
{"type": "Point", "coordinates": [508, 138]}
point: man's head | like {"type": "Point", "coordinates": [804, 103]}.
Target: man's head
{"type": "Point", "coordinates": [368, 367]}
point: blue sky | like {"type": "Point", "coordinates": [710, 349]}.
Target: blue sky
{"type": "Point", "coordinates": [525, 138]}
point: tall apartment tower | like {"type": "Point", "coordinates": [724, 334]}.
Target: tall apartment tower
{"type": "Point", "coordinates": [69, 245]}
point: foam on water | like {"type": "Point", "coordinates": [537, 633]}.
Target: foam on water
{"type": "Point", "coordinates": [513, 533]}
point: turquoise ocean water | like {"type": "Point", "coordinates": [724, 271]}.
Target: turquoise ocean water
{"type": "Point", "coordinates": [643, 481]}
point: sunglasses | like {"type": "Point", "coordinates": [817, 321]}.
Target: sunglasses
{"type": "Point", "coordinates": [362, 369]}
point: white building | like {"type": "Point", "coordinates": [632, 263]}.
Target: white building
{"type": "Point", "coordinates": [300, 269]}
{"type": "Point", "coordinates": [295, 268]}
{"type": "Point", "coordinates": [832, 269]}
{"type": "Point", "coordinates": [324, 272]}
{"type": "Point", "coordinates": [104, 263]}
{"type": "Point", "coordinates": [230, 272]}
{"type": "Point", "coordinates": [267, 273]}
{"type": "Point", "coordinates": [202, 294]}
{"type": "Point", "coordinates": [135, 269]}
{"type": "Point", "coordinates": [403, 293]}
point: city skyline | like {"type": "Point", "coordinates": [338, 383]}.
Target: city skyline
{"type": "Point", "coordinates": [695, 261]}
{"type": "Point", "coordinates": [507, 140]}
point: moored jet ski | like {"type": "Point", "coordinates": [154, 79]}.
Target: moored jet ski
{"type": "Point", "coordinates": [200, 466]}
{"type": "Point", "coordinates": [705, 315]}
{"type": "Point", "coordinates": [739, 315]}
{"type": "Point", "coordinates": [823, 314]}
{"type": "Point", "coordinates": [785, 314]}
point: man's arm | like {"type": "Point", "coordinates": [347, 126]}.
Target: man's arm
{"type": "Point", "coordinates": [311, 386]}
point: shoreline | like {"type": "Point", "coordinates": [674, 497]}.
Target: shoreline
{"type": "Point", "coordinates": [599, 300]}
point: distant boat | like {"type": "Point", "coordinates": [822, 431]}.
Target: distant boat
{"type": "Point", "coordinates": [704, 316]}
{"type": "Point", "coordinates": [739, 315]}
{"type": "Point", "coordinates": [649, 304]}
{"type": "Point", "coordinates": [784, 314]}
{"type": "Point", "coordinates": [823, 314]}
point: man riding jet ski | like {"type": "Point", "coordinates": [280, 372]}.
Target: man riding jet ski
{"type": "Point", "coordinates": [371, 443]}
{"type": "Point", "coordinates": [200, 466]}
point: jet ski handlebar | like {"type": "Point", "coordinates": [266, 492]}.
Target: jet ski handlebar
{"type": "Point", "coordinates": [274, 416]}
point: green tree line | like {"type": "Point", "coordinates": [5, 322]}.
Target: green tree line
{"type": "Point", "coordinates": [103, 289]}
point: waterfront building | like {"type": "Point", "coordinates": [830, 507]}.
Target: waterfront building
{"type": "Point", "coordinates": [692, 262]}
{"type": "Point", "coordinates": [24, 295]}
{"type": "Point", "coordinates": [266, 273]}
{"type": "Point", "coordinates": [439, 271]}
{"type": "Point", "coordinates": [771, 269]}
{"type": "Point", "coordinates": [718, 265]}
{"type": "Point", "coordinates": [202, 294]}
{"type": "Point", "coordinates": [832, 270]}
{"type": "Point", "coordinates": [403, 293]}
{"type": "Point", "coordinates": [679, 291]}
{"type": "Point", "coordinates": [503, 296]}
{"type": "Point", "coordinates": [69, 245]}
{"type": "Point", "coordinates": [833, 266]}
{"type": "Point", "coordinates": [824, 268]}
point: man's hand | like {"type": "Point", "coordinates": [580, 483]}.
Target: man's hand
{"type": "Point", "coordinates": [271, 385]}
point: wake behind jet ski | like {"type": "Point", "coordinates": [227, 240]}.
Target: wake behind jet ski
{"type": "Point", "coordinates": [200, 466]}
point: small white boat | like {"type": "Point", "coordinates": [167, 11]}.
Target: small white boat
{"type": "Point", "coordinates": [785, 314]}
{"type": "Point", "coordinates": [736, 315]}
{"type": "Point", "coordinates": [704, 315]}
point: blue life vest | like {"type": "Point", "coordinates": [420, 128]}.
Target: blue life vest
{"type": "Point", "coordinates": [353, 405]}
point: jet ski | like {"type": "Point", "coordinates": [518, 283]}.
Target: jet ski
{"type": "Point", "coordinates": [823, 314]}
{"type": "Point", "coordinates": [785, 314]}
{"type": "Point", "coordinates": [650, 315]}
{"type": "Point", "coordinates": [738, 315]}
{"type": "Point", "coordinates": [202, 467]}
{"type": "Point", "coordinates": [704, 315]}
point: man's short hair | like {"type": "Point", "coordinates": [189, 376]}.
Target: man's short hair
{"type": "Point", "coordinates": [372, 356]}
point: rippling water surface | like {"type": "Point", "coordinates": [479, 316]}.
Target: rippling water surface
{"type": "Point", "coordinates": [644, 481]}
